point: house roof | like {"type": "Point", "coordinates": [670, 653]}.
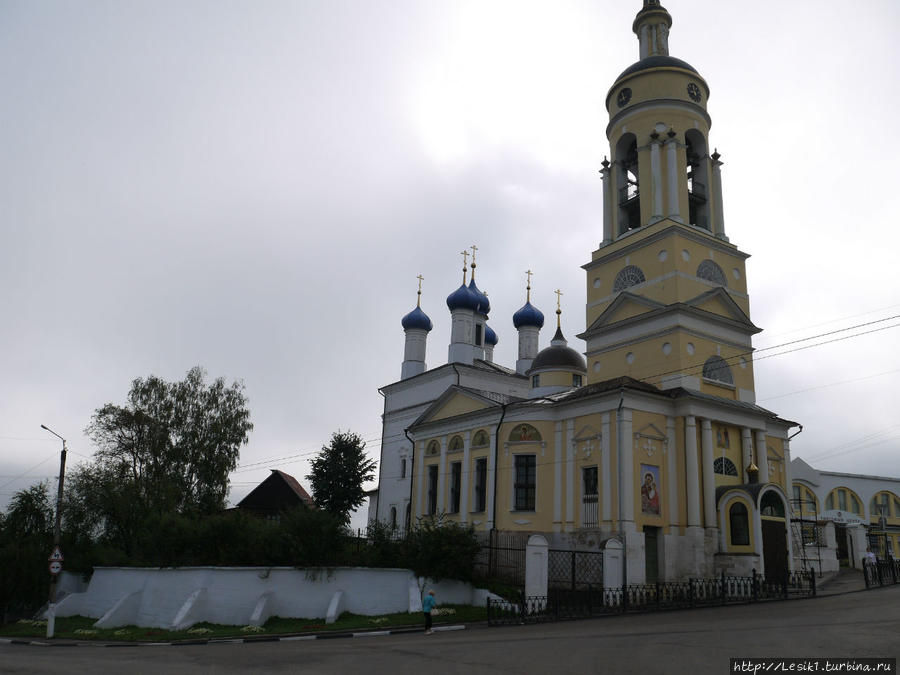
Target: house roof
{"type": "Point", "coordinates": [278, 484]}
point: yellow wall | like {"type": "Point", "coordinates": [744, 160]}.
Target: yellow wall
{"type": "Point", "coordinates": [458, 405]}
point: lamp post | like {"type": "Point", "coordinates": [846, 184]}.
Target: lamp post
{"type": "Point", "coordinates": [51, 607]}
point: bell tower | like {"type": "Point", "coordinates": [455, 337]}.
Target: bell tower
{"type": "Point", "coordinates": [667, 293]}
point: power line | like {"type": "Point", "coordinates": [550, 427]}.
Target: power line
{"type": "Point", "coordinates": [830, 384]}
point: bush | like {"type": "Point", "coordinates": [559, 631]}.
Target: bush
{"type": "Point", "coordinates": [442, 550]}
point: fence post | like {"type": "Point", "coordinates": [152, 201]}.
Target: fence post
{"type": "Point", "coordinates": [893, 570]}
{"type": "Point", "coordinates": [723, 587]}
{"type": "Point", "coordinates": [753, 597]}
{"type": "Point", "coordinates": [657, 595]}
{"type": "Point", "coordinates": [784, 584]}
{"type": "Point", "coordinates": [812, 581]}
{"type": "Point", "coordinates": [523, 610]}
{"type": "Point", "coordinates": [691, 592]}
{"type": "Point", "coordinates": [573, 569]}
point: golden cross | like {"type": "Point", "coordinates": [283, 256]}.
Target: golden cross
{"type": "Point", "coordinates": [558, 306]}
{"type": "Point", "coordinates": [419, 293]}
{"type": "Point", "coordinates": [528, 287]}
{"type": "Point", "coordinates": [474, 248]}
{"type": "Point", "coordinates": [465, 255]}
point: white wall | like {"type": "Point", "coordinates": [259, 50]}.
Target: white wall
{"type": "Point", "coordinates": [154, 597]}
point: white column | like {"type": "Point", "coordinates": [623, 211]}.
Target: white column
{"type": "Point", "coordinates": [570, 474]}
{"type": "Point", "coordinates": [491, 481]}
{"type": "Point", "coordinates": [672, 174]}
{"type": "Point", "coordinates": [656, 184]}
{"type": "Point", "coordinates": [672, 452]}
{"type": "Point", "coordinates": [464, 487]}
{"type": "Point", "coordinates": [746, 453]}
{"type": "Point", "coordinates": [762, 456]}
{"type": "Point", "coordinates": [709, 476]}
{"type": "Point", "coordinates": [442, 475]}
{"type": "Point", "coordinates": [607, 203]}
{"type": "Point", "coordinates": [692, 471]}
{"type": "Point", "coordinates": [626, 466]}
{"type": "Point", "coordinates": [557, 478]}
{"type": "Point", "coordinates": [718, 214]}
{"type": "Point", "coordinates": [419, 509]}
{"type": "Point", "coordinates": [606, 470]}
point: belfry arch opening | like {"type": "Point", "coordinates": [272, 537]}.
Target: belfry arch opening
{"type": "Point", "coordinates": [628, 194]}
{"type": "Point", "coordinates": [697, 178]}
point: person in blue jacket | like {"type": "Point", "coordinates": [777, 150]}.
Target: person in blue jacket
{"type": "Point", "coordinates": [427, 605]}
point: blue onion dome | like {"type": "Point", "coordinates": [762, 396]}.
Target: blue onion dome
{"type": "Point", "coordinates": [484, 305]}
{"type": "Point", "coordinates": [462, 298]}
{"type": "Point", "coordinates": [416, 319]}
{"type": "Point", "coordinates": [528, 315]}
{"type": "Point", "coordinates": [490, 337]}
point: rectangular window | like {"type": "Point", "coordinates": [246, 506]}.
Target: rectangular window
{"type": "Point", "coordinates": [526, 479]}
{"type": "Point", "coordinates": [432, 489]}
{"type": "Point", "coordinates": [576, 380]}
{"type": "Point", "coordinates": [478, 334]}
{"type": "Point", "coordinates": [455, 475]}
{"type": "Point", "coordinates": [480, 484]}
{"type": "Point", "coordinates": [535, 380]}
{"type": "Point", "coordinates": [403, 468]}
{"type": "Point", "coordinates": [589, 496]}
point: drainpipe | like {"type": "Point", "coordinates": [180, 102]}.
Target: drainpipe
{"type": "Point", "coordinates": [796, 433]}
{"type": "Point", "coordinates": [496, 473]}
{"type": "Point", "coordinates": [619, 472]}
{"type": "Point", "coordinates": [412, 466]}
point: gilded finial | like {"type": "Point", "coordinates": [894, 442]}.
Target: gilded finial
{"type": "Point", "coordinates": [558, 306]}
{"type": "Point", "coordinates": [528, 287]}
{"type": "Point", "coordinates": [474, 248]}
{"type": "Point", "coordinates": [419, 292]}
{"type": "Point", "coordinates": [465, 255]}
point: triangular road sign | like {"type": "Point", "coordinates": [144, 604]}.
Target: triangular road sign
{"type": "Point", "coordinates": [56, 555]}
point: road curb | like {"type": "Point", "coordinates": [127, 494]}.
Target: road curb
{"type": "Point", "coordinates": [236, 640]}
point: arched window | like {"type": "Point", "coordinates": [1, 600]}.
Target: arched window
{"type": "Point", "coordinates": [403, 468]}
{"type": "Point", "coordinates": [627, 176]}
{"type": "Point", "coordinates": [393, 517]}
{"type": "Point", "coordinates": [716, 368]}
{"type": "Point", "coordinates": [434, 448]}
{"type": "Point", "coordinates": [524, 432]}
{"type": "Point", "coordinates": [740, 525]}
{"type": "Point", "coordinates": [456, 443]}
{"type": "Point", "coordinates": [805, 501]}
{"type": "Point", "coordinates": [724, 466]}
{"type": "Point", "coordinates": [884, 503]}
{"type": "Point", "coordinates": [408, 515]}
{"type": "Point", "coordinates": [843, 499]}
{"type": "Point", "coordinates": [629, 276]}
{"type": "Point", "coordinates": [481, 439]}
{"type": "Point", "coordinates": [771, 505]}
{"type": "Point", "coordinates": [697, 178]}
{"type": "Point", "coordinates": [710, 271]}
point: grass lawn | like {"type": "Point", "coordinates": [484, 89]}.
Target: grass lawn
{"type": "Point", "coordinates": [82, 628]}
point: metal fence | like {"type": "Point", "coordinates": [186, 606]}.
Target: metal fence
{"type": "Point", "coordinates": [575, 570]}
{"type": "Point", "coordinates": [882, 573]}
{"type": "Point", "coordinates": [562, 604]}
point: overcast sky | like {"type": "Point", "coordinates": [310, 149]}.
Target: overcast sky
{"type": "Point", "coordinates": [253, 188]}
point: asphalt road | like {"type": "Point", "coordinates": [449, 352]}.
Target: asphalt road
{"type": "Point", "coordinates": [865, 624]}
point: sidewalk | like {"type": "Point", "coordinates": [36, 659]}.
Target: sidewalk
{"type": "Point", "coordinates": [846, 580]}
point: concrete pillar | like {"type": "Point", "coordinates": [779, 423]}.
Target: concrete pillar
{"type": "Point", "coordinates": [718, 214]}
{"type": "Point", "coordinates": [608, 203]}
{"type": "Point", "coordinates": [709, 476]}
{"type": "Point", "coordinates": [464, 483]}
{"type": "Point", "coordinates": [536, 566]}
{"type": "Point", "coordinates": [762, 456]}
{"type": "Point", "coordinates": [672, 469]}
{"type": "Point", "coordinates": [656, 183]}
{"type": "Point", "coordinates": [558, 455]}
{"type": "Point", "coordinates": [626, 466]}
{"type": "Point", "coordinates": [612, 564]}
{"type": "Point", "coordinates": [692, 471]}
{"type": "Point", "coordinates": [442, 475]}
{"type": "Point", "coordinates": [746, 453]}
{"type": "Point", "coordinates": [788, 473]}
{"type": "Point", "coordinates": [672, 175]}
{"type": "Point", "coordinates": [489, 488]}
{"type": "Point", "coordinates": [606, 471]}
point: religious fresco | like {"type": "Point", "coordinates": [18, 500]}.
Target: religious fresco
{"type": "Point", "coordinates": [524, 432]}
{"type": "Point", "coordinates": [649, 479]}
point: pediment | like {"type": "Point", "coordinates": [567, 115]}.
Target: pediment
{"type": "Point", "coordinates": [452, 403]}
{"type": "Point", "coordinates": [718, 301]}
{"type": "Point", "coordinates": [625, 306]}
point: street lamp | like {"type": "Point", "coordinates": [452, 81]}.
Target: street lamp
{"type": "Point", "coordinates": [51, 607]}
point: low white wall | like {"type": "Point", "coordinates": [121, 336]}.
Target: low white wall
{"type": "Point", "coordinates": [230, 595]}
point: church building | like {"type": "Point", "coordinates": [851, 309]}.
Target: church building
{"type": "Point", "coordinates": [652, 436]}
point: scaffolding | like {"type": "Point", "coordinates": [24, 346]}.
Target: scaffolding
{"type": "Point", "coordinates": [805, 530]}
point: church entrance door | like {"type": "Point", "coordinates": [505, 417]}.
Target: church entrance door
{"type": "Point", "coordinates": [774, 548]}
{"type": "Point", "coordinates": [651, 554]}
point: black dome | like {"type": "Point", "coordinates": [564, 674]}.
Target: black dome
{"type": "Point", "coordinates": [559, 356]}
{"type": "Point", "coordinates": [660, 61]}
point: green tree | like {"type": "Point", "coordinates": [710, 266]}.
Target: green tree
{"type": "Point", "coordinates": [26, 538]}
{"type": "Point", "coordinates": [338, 473]}
{"type": "Point", "coordinates": [174, 443]}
